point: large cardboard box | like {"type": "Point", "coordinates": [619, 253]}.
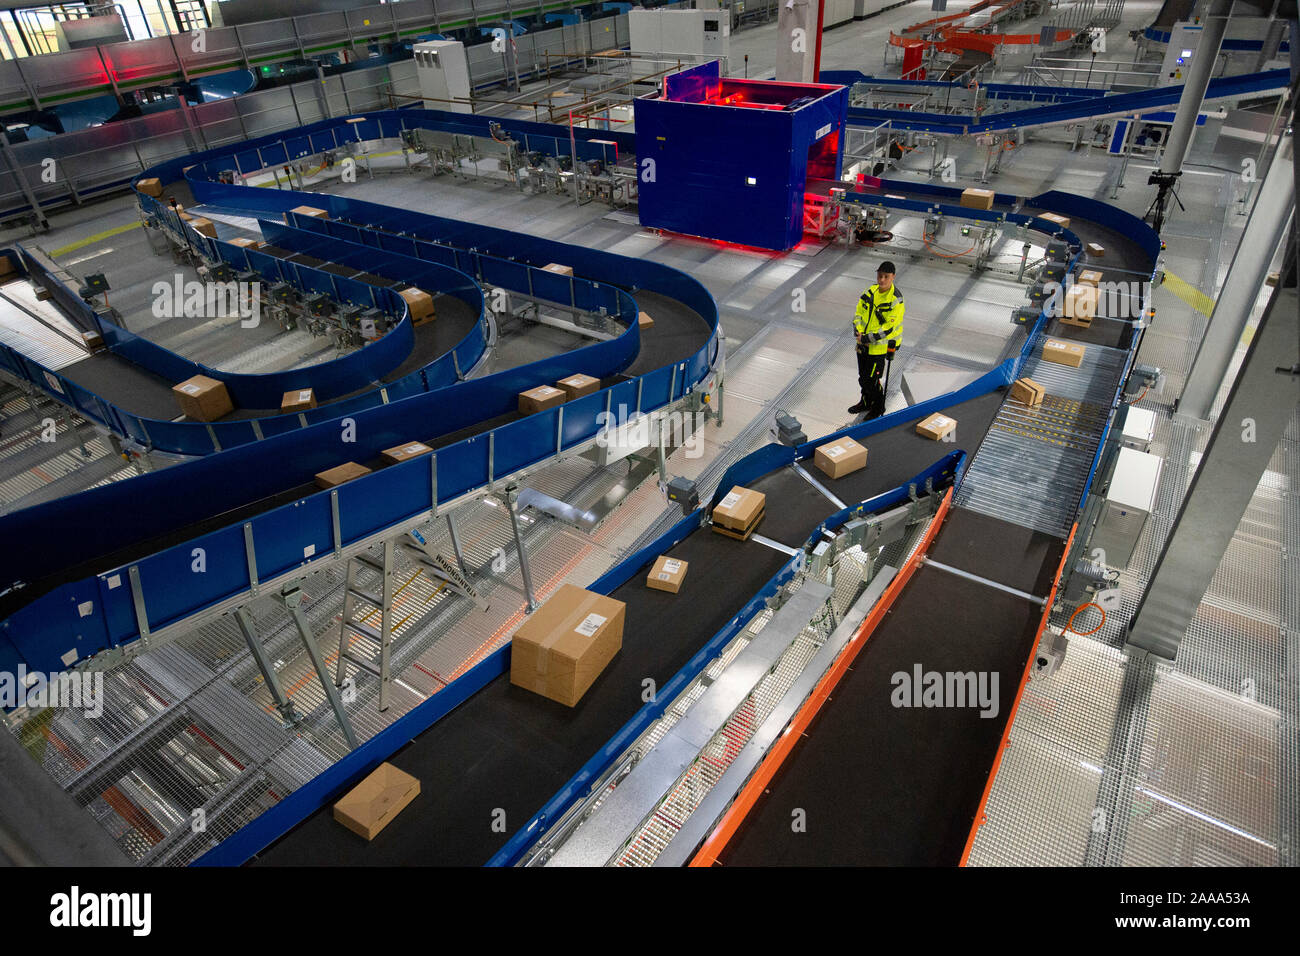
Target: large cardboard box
{"type": "Point", "coordinates": [1062, 221]}
{"type": "Point", "coordinates": [401, 453]}
{"type": "Point", "coordinates": [644, 321]}
{"type": "Point", "coordinates": [937, 427]}
{"type": "Point", "coordinates": [1080, 305]}
{"type": "Point", "coordinates": [565, 644]}
{"type": "Point", "coordinates": [150, 187]}
{"type": "Point", "coordinates": [306, 211]}
{"type": "Point", "coordinates": [420, 303]}
{"type": "Point", "coordinates": [1063, 353]}
{"type": "Point", "coordinates": [840, 457]}
{"type": "Point", "coordinates": [1089, 277]}
{"type": "Point", "coordinates": [739, 508]}
{"type": "Point", "coordinates": [204, 227]}
{"type": "Point", "coordinates": [203, 399]}
{"type": "Point", "coordinates": [576, 386]}
{"type": "Point", "coordinates": [333, 477]}
{"type": "Point", "coordinates": [540, 398]}
{"type": "Point", "coordinates": [558, 269]}
{"type": "Point", "coordinates": [667, 574]}
{"type": "Point", "coordinates": [299, 400]}
{"type": "Point", "coordinates": [1027, 391]}
{"type": "Point", "coordinates": [977, 198]}
{"type": "Point", "coordinates": [373, 803]}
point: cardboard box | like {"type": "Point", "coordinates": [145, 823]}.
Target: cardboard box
{"type": "Point", "coordinates": [565, 644]}
{"type": "Point", "coordinates": [977, 198]}
{"type": "Point", "coordinates": [1027, 391]}
{"type": "Point", "coordinates": [644, 321]}
{"type": "Point", "coordinates": [400, 453]}
{"type": "Point", "coordinates": [92, 340]}
{"type": "Point", "coordinates": [373, 803]}
{"type": "Point", "coordinates": [1095, 250]}
{"type": "Point", "coordinates": [299, 400]}
{"type": "Point", "coordinates": [739, 509]}
{"type": "Point", "coordinates": [203, 399]}
{"type": "Point", "coordinates": [667, 574]}
{"type": "Point", "coordinates": [333, 477]}
{"type": "Point", "coordinates": [150, 187]}
{"type": "Point", "coordinates": [1063, 353]}
{"type": "Point", "coordinates": [840, 457]}
{"type": "Point", "coordinates": [558, 269]}
{"type": "Point", "coordinates": [306, 211]}
{"type": "Point", "coordinates": [204, 227]}
{"type": "Point", "coordinates": [1062, 221]}
{"type": "Point", "coordinates": [43, 295]}
{"type": "Point", "coordinates": [576, 386]}
{"type": "Point", "coordinates": [185, 217]}
{"type": "Point", "coordinates": [540, 398]}
{"type": "Point", "coordinates": [1089, 277]}
{"type": "Point", "coordinates": [247, 243]}
{"type": "Point", "coordinates": [421, 305]}
{"type": "Point", "coordinates": [938, 426]}
{"type": "Point", "coordinates": [7, 266]}
{"type": "Point", "coordinates": [1079, 305]}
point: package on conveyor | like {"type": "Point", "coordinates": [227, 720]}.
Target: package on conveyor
{"type": "Point", "coordinates": [420, 303]}
{"type": "Point", "coordinates": [739, 512]}
{"type": "Point", "coordinates": [1063, 353]}
{"type": "Point", "coordinates": [150, 187]}
{"type": "Point", "coordinates": [1079, 305]}
{"type": "Point", "coordinates": [540, 398]}
{"type": "Point", "coordinates": [204, 227]}
{"type": "Point", "coordinates": [297, 400]}
{"type": "Point", "coordinates": [203, 399]}
{"type": "Point", "coordinates": [558, 269]}
{"type": "Point", "coordinates": [400, 453]}
{"type": "Point", "coordinates": [1061, 221]}
{"type": "Point", "coordinates": [43, 294]}
{"type": "Point", "coordinates": [1095, 250]}
{"type": "Point", "coordinates": [667, 574]}
{"type": "Point", "coordinates": [566, 643]}
{"type": "Point", "coordinates": [977, 198]}
{"type": "Point", "coordinates": [841, 457]}
{"type": "Point", "coordinates": [937, 426]}
{"type": "Point", "coordinates": [576, 386]}
{"type": "Point", "coordinates": [373, 803]}
{"type": "Point", "coordinates": [1089, 277]}
{"type": "Point", "coordinates": [333, 477]}
{"type": "Point", "coordinates": [644, 321]}
{"type": "Point", "coordinates": [1027, 391]}
{"type": "Point", "coordinates": [311, 211]}
{"type": "Point", "coordinates": [244, 243]}
{"type": "Point", "coordinates": [93, 341]}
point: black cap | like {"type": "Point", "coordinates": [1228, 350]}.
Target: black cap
{"type": "Point", "coordinates": [886, 266]}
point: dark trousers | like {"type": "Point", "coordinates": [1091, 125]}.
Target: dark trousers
{"type": "Point", "coordinates": [871, 371]}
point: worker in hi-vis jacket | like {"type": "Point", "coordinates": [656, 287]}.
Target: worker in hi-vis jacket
{"type": "Point", "coordinates": [878, 328]}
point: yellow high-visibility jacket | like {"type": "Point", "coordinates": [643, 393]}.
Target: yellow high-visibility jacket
{"type": "Point", "coordinates": [879, 318]}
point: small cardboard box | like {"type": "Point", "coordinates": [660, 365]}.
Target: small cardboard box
{"type": "Point", "coordinates": [405, 452]}
{"type": "Point", "coordinates": [92, 340]}
{"type": "Point", "coordinates": [7, 267]}
{"type": "Point", "coordinates": [566, 643]}
{"type": "Point", "coordinates": [576, 386]}
{"type": "Point", "coordinates": [420, 303]}
{"type": "Point", "coordinates": [247, 243]}
{"type": "Point", "coordinates": [977, 198]}
{"type": "Point", "coordinates": [299, 400]}
{"type": "Point", "coordinates": [1089, 277]}
{"type": "Point", "coordinates": [938, 426]}
{"type": "Point", "coordinates": [203, 399]}
{"type": "Point", "coordinates": [185, 217]}
{"type": "Point", "coordinates": [667, 574]}
{"type": "Point", "coordinates": [306, 211]}
{"type": "Point", "coordinates": [540, 398]}
{"type": "Point", "coordinates": [739, 508]}
{"type": "Point", "coordinates": [373, 803]}
{"type": "Point", "coordinates": [1062, 221]}
{"type": "Point", "coordinates": [558, 269]}
{"type": "Point", "coordinates": [644, 321]}
{"type": "Point", "coordinates": [204, 227]}
{"type": "Point", "coordinates": [43, 295]}
{"type": "Point", "coordinates": [1095, 250]}
{"type": "Point", "coordinates": [1080, 305]}
{"type": "Point", "coordinates": [333, 477]}
{"type": "Point", "coordinates": [1063, 353]}
{"type": "Point", "coordinates": [150, 187]}
{"type": "Point", "coordinates": [1027, 391]}
{"type": "Point", "coordinates": [840, 457]}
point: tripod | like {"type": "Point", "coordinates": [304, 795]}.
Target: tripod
{"type": "Point", "coordinates": [1167, 189]}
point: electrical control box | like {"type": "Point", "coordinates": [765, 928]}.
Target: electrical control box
{"type": "Point", "coordinates": [442, 68]}
{"type": "Point", "coordinates": [1139, 429]}
{"type": "Point", "coordinates": [696, 32]}
{"type": "Point", "coordinates": [1129, 502]}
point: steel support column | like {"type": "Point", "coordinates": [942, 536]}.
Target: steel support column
{"type": "Point", "coordinates": [524, 570]}
{"type": "Point", "coordinates": [293, 603]}
{"type": "Point", "coordinates": [265, 665]}
{"type": "Point", "coordinates": [1213, 27]}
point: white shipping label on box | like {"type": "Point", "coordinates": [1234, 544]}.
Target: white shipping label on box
{"type": "Point", "coordinates": [190, 389]}
{"type": "Point", "coordinates": [665, 576]}
{"type": "Point", "coordinates": [546, 391]}
{"type": "Point", "coordinates": [834, 451]}
{"type": "Point", "coordinates": [590, 625]}
{"type": "Point", "coordinates": [939, 422]}
{"type": "Point", "coordinates": [672, 565]}
{"type": "Point", "coordinates": [304, 396]}
{"type": "Point", "coordinates": [730, 500]}
{"type": "Point", "coordinates": [412, 449]}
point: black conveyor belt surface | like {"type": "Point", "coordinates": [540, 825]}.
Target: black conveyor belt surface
{"type": "Point", "coordinates": [1112, 333]}
{"type": "Point", "coordinates": [511, 749]}
{"type": "Point", "coordinates": [1024, 559]}
{"type": "Point", "coordinates": [679, 331]}
{"type": "Point", "coordinates": [886, 785]}
{"type": "Point", "coordinates": [126, 385]}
